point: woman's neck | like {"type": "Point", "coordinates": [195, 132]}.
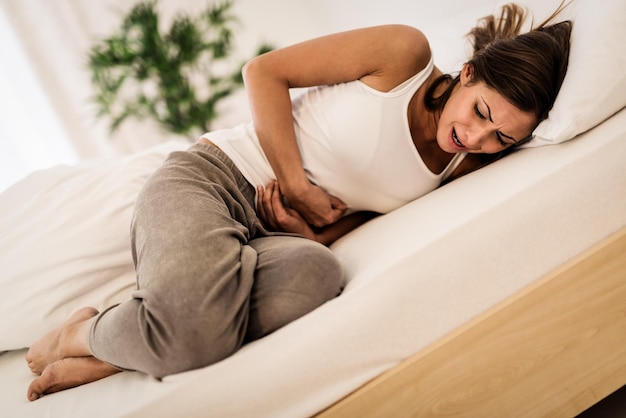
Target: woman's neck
{"type": "Point", "coordinates": [423, 126]}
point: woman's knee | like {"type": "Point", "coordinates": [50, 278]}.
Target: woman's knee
{"type": "Point", "coordinates": [301, 266]}
{"type": "Point", "coordinates": [318, 271]}
{"type": "Point", "coordinates": [300, 278]}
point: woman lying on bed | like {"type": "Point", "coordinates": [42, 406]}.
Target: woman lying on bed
{"type": "Point", "coordinates": [220, 262]}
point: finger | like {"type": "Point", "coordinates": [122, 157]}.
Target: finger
{"type": "Point", "coordinates": [265, 212]}
{"type": "Point", "coordinates": [280, 211]}
{"type": "Point", "coordinates": [259, 203]}
{"type": "Point", "coordinates": [267, 196]}
{"type": "Point", "coordinates": [278, 205]}
{"type": "Point", "coordinates": [268, 205]}
{"type": "Point", "coordinates": [283, 199]}
{"type": "Point", "coordinates": [338, 204]}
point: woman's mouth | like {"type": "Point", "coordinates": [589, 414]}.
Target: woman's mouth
{"type": "Point", "coordinates": [456, 139]}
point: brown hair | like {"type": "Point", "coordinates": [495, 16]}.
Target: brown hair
{"type": "Point", "coordinates": [526, 69]}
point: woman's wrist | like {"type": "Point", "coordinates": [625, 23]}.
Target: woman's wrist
{"type": "Point", "coordinates": [294, 187]}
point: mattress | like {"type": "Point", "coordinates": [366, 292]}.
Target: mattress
{"type": "Point", "coordinates": [415, 275]}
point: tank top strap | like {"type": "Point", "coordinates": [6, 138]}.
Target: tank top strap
{"type": "Point", "coordinates": [453, 165]}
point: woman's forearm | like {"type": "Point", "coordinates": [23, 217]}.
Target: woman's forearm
{"type": "Point", "coordinates": [270, 103]}
{"type": "Point", "coordinates": [333, 232]}
{"type": "Point", "coordinates": [271, 110]}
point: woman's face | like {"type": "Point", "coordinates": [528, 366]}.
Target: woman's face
{"type": "Point", "coordinates": [477, 119]}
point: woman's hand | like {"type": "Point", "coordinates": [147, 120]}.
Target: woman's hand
{"type": "Point", "coordinates": [276, 215]}
{"type": "Point", "coordinates": [316, 206]}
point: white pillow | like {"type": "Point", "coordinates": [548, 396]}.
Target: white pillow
{"type": "Point", "coordinates": [595, 84]}
{"type": "Point", "coordinates": [65, 242]}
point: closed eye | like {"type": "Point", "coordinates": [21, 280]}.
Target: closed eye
{"type": "Point", "coordinates": [501, 141]}
{"type": "Point", "coordinates": [483, 117]}
{"type": "Point", "coordinates": [477, 111]}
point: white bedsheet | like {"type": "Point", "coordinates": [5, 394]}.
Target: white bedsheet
{"type": "Point", "coordinates": [416, 275]}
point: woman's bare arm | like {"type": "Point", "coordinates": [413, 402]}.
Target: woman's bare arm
{"type": "Point", "coordinates": [382, 57]}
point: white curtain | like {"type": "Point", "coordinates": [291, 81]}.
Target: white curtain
{"type": "Point", "coordinates": [50, 81]}
{"type": "Point", "coordinates": [46, 114]}
{"type": "Point", "coordinates": [31, 136]}
{"type": "Point", "coordinates": [56, 37]}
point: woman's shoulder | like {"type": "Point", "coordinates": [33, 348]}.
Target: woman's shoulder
{"type": "Point", "coordinates": [408, 52]}
{"type": "Point", "coordinates": [402, 34]}
{"type": "Point", "coordinates": [410, 43]}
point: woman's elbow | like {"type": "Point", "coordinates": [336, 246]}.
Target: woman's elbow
{"type": "Point", "coordinates": [253, 69]}
{"type": "Point", "coordinates": [247, 69]}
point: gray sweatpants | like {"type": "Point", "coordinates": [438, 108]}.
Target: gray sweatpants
{"type": "Point", "coordinates": [210, 277]}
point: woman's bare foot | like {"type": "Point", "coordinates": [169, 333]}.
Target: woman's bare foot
{"type": "Point", "coordinates": [68, 373]}
{"type": "Point", "coordinates": [69, 340]}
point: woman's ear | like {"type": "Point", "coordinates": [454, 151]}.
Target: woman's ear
{"type": "Point", "coordinates": [467, 72]}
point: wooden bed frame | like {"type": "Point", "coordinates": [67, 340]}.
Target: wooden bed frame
{"type": "Point", "coordinates": [553, 349]}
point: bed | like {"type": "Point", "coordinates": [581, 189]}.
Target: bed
{"type": "Point", "coordinates": [502, 293]}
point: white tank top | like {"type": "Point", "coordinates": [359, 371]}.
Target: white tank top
{"type": "Point", "coordinates": [355, 143]}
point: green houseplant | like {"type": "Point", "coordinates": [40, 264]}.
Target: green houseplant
{"type": "Point", "coordinates": [177, 77]}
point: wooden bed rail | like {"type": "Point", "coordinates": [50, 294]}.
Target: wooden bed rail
{"type": "Point", "coordinates": [552, 350]}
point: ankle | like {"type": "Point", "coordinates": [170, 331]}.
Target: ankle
{"type": "Point", "coordinates": [73, 339]}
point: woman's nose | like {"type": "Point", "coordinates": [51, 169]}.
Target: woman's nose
{"type": "Point", "coordinates": [478, 134]}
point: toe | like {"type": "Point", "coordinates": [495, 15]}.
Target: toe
{"type": "Point", "coordinates": [42, 384]}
